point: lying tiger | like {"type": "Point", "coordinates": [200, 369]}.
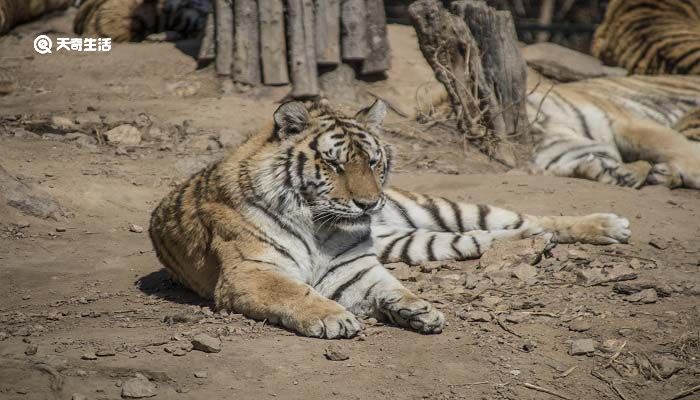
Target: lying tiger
{"type": "Point", "coordinates": [293, 227]}
{"type": "Point", "coordinates": [628, 131]}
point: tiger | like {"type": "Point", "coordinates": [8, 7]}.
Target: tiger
{"type": "Point", "coordinates": [15, 12]}
{"type": "Point", "coordinates": [294, 227]}
{"type": "Point", "coordinates": [628, 131]}
{"type": "Point", "coordinates": [650, 36]}
{"type": "Point", "coordinates": [134, 20]}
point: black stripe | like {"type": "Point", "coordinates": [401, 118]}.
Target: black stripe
{"type": "Point", "coordinates": [259, 261]}
{"type": "Point", "coordinates": [580, 116]}
{"type": "Point", "coordinates": [368, 292]}
{"type": "Point", "coordinates": [455, 240]}
{"type": "Point", "coordinates": [458, 215]}
{"type": "Point", "coordinates": [301, 162]}
{"type": "Point", "coordinates": [404, 252]}
{"type": "Point", "coordinates": [265, 239]}
{"type": "Point", "coordinates": [386, 235]}
{"type": "Point", "coordinates": [520, 222]}
{"type": "Point", "coordinates": [389, 248]}
{"type": "Point", "coordinates": [282, 224]}
{"type": "Point", "coordinates": [339, 291]}
{"type": "Point", "coordinates": [342, 264]}
{"type": "Point", "coordinates": [484, 211]}
{"type": "Point", "coordinates": [354, 244]}
{"type": "Point", "coordinates": [476, 245]}
{"type": "Point", "coordinates": [429, 249]}
{"type": "Point", "coordinates": [435, 214]}
{"type": "Point", "coordinates": [402, 211]}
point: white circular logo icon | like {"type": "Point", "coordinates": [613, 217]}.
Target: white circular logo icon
{"type": "Point", "coordinates": [43, 44]}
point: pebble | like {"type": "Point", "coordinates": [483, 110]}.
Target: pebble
{"type": "Point", "coordinates": [89, 356]}
{"type": "Point", "coordinates": [667, 366]}
{"type": "Point", "coordinates": [582, 346]}
{"type": "Point", "coordinates": [178, 349]}
{"type": "Point", "coordinates": [580, 325]}
{"type": "Point", "coordinates": [659, 244]}
{"type": "Point", "coordinates": [125, 134]}
{"type": "Point", "coordinates": [596, 276]}
{"type": "Point", "coordinates": [105, 353]}
{"type": "Point", "coordinates": [138, 387]}
{"type": "Point", "coordinates": [525, 273]}
{"type": "Point", "coordinates": [206, 343]}
{"type": "Point", "coordinates": [201, 374]}
{"type": "Point", "coordinates": [646, 296]}
{"type": "Point", "coordinates": [60, 229]}
{"type": "Point", "coordinates": [31, 350]}
{"type": "Point", "coordinates": [335, 353]}
{"type": "Point", "coordinates": [62, 124]}
{"type": "Point", "coordinates": [476, 316]}
{"type": "Point", "coordinates": [610, 346]}
{"type": "Point", "coordinates": [27, 297]}
{"type": "Point", "coordinates": [135, 228]}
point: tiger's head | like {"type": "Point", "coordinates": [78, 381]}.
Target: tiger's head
{"type": "Point", "coordinates": [334, 164]}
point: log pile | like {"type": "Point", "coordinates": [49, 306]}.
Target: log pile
{"type": "Point", "coordinates": [280, 42]}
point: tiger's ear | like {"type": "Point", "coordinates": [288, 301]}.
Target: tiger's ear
{"type": "Point", "coordinates": [290, 119]}
{"type": "Point", "coordinates": [374, 115]}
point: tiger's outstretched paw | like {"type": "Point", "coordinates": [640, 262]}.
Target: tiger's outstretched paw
{"type": "Point", "coordinates": [338, 325]}
{"type": "Point", "coordinates": [604, 229]}
{"type": "Point", "coordinates": [405, 309]}
{"type": "Point", "coordinates": [665, 174]}
{"type": "Point", "coordinates": [633, 174]}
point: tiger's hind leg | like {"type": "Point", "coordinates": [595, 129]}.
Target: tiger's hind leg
{"type": "Point", "coordinates": [588, 159]}
{"type": "Point", "coordinates": [675, 159]}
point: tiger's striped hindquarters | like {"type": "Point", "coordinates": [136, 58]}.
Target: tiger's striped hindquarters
{"type": "Point", "coordinates": [293, 227]}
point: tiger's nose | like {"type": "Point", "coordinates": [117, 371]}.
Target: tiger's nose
{"type": "Point", "coordinates": [365, 205]}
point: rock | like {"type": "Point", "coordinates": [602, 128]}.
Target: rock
{"type": "Point", "coordinates": [21, 133]}
{"type": "Point", "coordinates": [335, 353]}
{"type": "Point", "coordinates": [667, 365]}
{"type": "Point", "coordinates": [184, 88]}
{"type": "Point", "coordinates": [595, 276]}
{"type": "Point", "coordinates": [126, 135]}
{"type": "Point", "coordinates": [580, 325]}
{"type": "Point", "coordinates": [611, 346]}
{"type": "Point", "coordinates": [135, 228]}
{"type": "Point", "coordinates": [138, 388]}
{"type": "Point", "coordinates": [475, 316]}
{"type": "Point", "coordinates": [89, 356]}
{"type": "Point", "coordinates": [105, 353]}
{"type": "Point", "coordinates": [431, 266]}
{"type": "Point", "coordinates": [156, 134]}
{"type": "Point", "coordinates": [78, 396]}
{"type": "Point", "coordinates": [659, 244]}
{"type": "Point", "coordinates": [471, 281]}
{"type": "Point", "coordinates": [566, 65]}
{"type": "Point", "coordinates": [206, 343]}
{"type": "Point", "coordinates": [178, 349]}
{"type": "Point", "coordinates": [62, 124]}
{"type": "Point", "coordinates": [646, 296]}
{"type": "Point", "coordinates": [525, 272]}
{"type": "Point", "coordinates": [508, 254]}
{"type": "Point", "coordinates": [490, 301]}
{"type": "Point", "coordinates": [22, 331]}
{"type": "Point", "coordinates": [582, 346]}
{"type": "Point", "coordinates": [31, 350]}
{"type": "Point", "coordinates": [201, 374]}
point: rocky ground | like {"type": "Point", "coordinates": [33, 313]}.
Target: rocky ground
{"type": "Point", "coordinates": [87, 313]}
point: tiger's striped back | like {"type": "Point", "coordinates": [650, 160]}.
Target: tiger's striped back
{"type": "Point", "coordinates": [14, 12]}
{"type": "Point", "coordinates": [651, 36]}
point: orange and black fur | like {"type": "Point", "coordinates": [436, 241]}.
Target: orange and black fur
{"type": "Point", "coordinates": [293, 227]}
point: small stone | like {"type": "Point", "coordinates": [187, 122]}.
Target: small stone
{"type": "Point", "coordinates": [62, 124]}
{"type": "Point", "coordinates": [646, 296]}
{"type": "Point", "coordinates": [78, 396]}
{"type": "Point", "coordinates": [138, 387]}
{"type": "Point", "coordinates": [529, 346]}
{"type": "Point", "coordinates": [596, 276]}
{"type": "Point", "coordinates": [89, 356]}
{"type": "Point", "coordinates": [582, 347]}
{"type": "Point", "coordinates": [31, 350]}
{"type": "Point", "coordinates": [178, 349]}
{"type": "Point", "coordinates": [54, 316]}
{"type": "Point", "coordinates": [610, 346]}
{"type": "Point", "coordinates": [22, 331]}
{"type": "Point", "coordinates": [60, 229]}
{"type": "Point", "coordinates": [126, 135]}
{"type": "Point", "coordinates": [206, 343]}
{"type": "Point", "coordinates": [135, 228]}
{"type": "Point", "coordinates": [667, 365]}
{"type": "Point", "coordinates": [431, 266]}
{"type": "Point", "coordinates": [184, 88]}
{"type": "Point", "coordinates": [471, 281]}
{"type": "Point", "coordinates": [335, 353]}
{"type": "Point", "coordinates": [517, 317]}
{"type": "Point", "coordinates": [4, 336]}
{"type": "Point", "coordinates": [201, 374]}
{"type": "Point", "coordinates": [27, 297]}
{"type": "Point", "coordinates": [105, 353]}
{"type": "Point", "coordinates": [525, 272]}
{"type": "Point", "coordinates": [475, 316]}
{"type": "Point", "coordinates": [182, 390]}
{"type": "Point", "coordinates": [580, 325]}
{"type": "Point", "coordinates": [659, 244]}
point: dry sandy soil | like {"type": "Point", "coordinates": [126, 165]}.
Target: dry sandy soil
{"type": "Point", "coordinates": [84, 304]}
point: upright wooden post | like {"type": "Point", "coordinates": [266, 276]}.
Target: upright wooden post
{"type": "Point", "coordinates": [354, 30]}
{"type": "Point", "coordinates": [378, 59]}
{"type": "Point", "coordinates": [207, 50]}
{"type": "Point", "coordinates": [273, 43]}
{"type": "Point", "coordinates": [246, 38]}
{"type": "Point", "coordinates": [224, 36]}
{"type": "Point", "coordinates": [302, 48]}
{"type": "Point", "coordinates": [328, 32]}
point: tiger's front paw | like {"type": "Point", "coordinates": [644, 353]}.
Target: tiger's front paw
{"type": "Point", "coordinates": [406, 310]}
{"type": "Point", "coordinates": [665, 174]}
{"type": "Point", "coordinates": [633, 174]}
{"type": "Point", "coordinates": [604, 229]}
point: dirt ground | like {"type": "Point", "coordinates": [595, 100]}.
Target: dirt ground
{"type": "Point", "coordinates": [84, 304]}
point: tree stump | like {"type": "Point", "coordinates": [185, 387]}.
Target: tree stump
{"type": "Point", "coordinates": [481, 68]}
{"type": "Point", "coordinates": [273, 43]}
{"type": "Point", "coordinates": [246, 39]}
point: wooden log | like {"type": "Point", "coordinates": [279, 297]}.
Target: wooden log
{"type": "Point", "coordinates": [246, 43]}
{"type": "Point", "coordinates": [353, 17]}
{"type": "Point", "coordinates": [328, 32]}
{"type": "Point", "coordinates": [224, 36]}
{"type": "Point", "coordinates": [207, 49]}
{"type": "Point", "coordinates": [302, 49]}
{"type": "Point", "coordinates": [378, 59]}
{"type": "Point", "coordinates": [273, 43]}
{"type": "Point", "coordinates": [504, 67]}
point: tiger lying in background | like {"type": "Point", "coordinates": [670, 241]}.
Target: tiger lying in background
{"type": "Point", "coordinates": [14, 12]}
{"type": "Point", "coordinates": [650, 36]}
{"type": "Point", "coordinates": [621, 130]}
{"type": "Point", "coordinates": [133, 20]}
{"type": "Point", "coordinates": [293, 227]}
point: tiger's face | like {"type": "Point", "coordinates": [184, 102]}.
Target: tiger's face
{"type": "Point", "coordinates": [338, 164]}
